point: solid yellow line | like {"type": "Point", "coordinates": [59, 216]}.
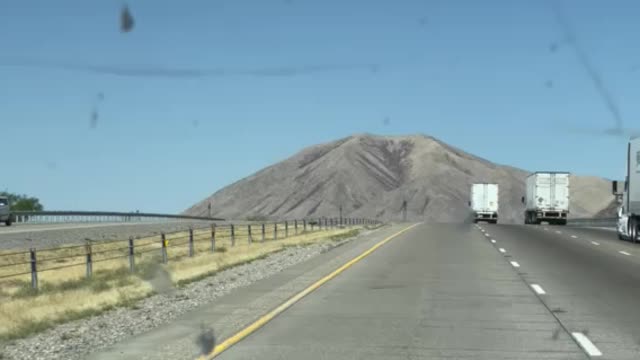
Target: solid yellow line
{"type": "Point", "coordinates": [284, 306]}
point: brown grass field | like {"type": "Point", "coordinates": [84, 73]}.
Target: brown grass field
{"type": "Point", "coordinates": [65, 293]}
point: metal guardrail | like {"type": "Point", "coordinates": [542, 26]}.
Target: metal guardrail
{"type": "Point", "coordinates": [599, 222]}
{"type": "Point", "coordinates": [38, 217]}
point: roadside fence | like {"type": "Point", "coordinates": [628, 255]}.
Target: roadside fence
{"type": "Point", "coordinates": [82, 260]}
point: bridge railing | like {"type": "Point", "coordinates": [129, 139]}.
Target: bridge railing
{"type": "Point", "coordinates": [39, 217]}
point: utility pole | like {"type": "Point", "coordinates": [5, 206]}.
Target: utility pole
{"type": "Point", "coordinates": [209, 207]}
{"type": "Point", "coordinates": [340, 215]}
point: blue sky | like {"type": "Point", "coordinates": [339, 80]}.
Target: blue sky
{"type": "Point", "coordinates": [479, 75]}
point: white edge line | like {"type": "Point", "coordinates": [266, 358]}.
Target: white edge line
{"type": "Point", "coordinates": [586, 344]}
{"type": "Point", "coordinates": [624, 253]}
{"type": "Point", "coordinates": [515, 264]}
{"type": "Point", "coordinates": [538, 289]}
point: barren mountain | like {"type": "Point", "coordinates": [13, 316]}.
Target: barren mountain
{"type": "Point", "coordinates": [371, 176]}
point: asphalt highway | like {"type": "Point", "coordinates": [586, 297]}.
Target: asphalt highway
{"type": "Point", "coordinates": [441, 291]}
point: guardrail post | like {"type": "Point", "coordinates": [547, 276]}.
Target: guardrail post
{"type": "Point", "coordinates": [190, 242]}
{"type": "Point", "coordinates": [295, 227]}
{"type": "Point", "coordinates": [311, 224]}
{"type": "Point", "coordinates": [132, 258]}
{"type": "Point", "coordinates": [263, 232]}
{"type": "Point", "coordinates": [249, 234]}
{"type": "Point", "coordinates": [286, 229]}
{"type": "Point", "coordinates": [213, 237]}
{"type": "Point", "coordinates": [304, 225]}
{"type": "Point", "coordinates": [89, 259]}
{"type": "Point", "coordinates": [34, 268]}
{"type": "Point", "coordinates": [233, 235]}
{"type": "Point", "coordinates": [164, 248]}
{"type": "Point", "coordinates": [275, 231]}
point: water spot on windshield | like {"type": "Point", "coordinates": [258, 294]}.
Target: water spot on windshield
{"type": "Point", "coordinates": [206, 340]}
{"type": "Point", "coordinates": [126, 19]}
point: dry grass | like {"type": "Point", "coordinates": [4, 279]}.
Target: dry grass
{"type": "Point", "coordinates": [66, 294]}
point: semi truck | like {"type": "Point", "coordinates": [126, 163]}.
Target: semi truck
{"type": "Point", "coordinates": [629, 211]}
{"type": "Point", "coordinates": [547, 198]}
{"type": "Point", "coordinates": [484, 202]}
{"type": "Point", "coordinates": [5, 211]}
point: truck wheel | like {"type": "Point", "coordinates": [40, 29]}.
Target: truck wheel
{"type": "Point", "coordinates": [632, 227]}
{"type": "Point", "coordinates": [8, 222]}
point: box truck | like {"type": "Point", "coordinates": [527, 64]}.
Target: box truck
{"type": "Point", "coordinates": [5, 211]}
{"type": "Point", "coordinates": [484, 202]}
{"type": "Point", "coordinates": [629, 211]}
{"type": "Point", "coordinates": [547, 198]}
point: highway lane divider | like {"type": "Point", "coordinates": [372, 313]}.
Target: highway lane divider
{"type": "Point", "coordinates": [586, 344]}
{"type": "Point", "coordinates": [580, 338]}
{"type": "Point", "coordinates": [239, 336]}
{"type": "Point", "coordinates": [538, 289]}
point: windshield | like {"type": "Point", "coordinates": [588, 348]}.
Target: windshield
{"type": "Point", "coordinates": [304, 179]}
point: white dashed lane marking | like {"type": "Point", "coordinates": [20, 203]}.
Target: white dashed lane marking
{"type": "Point", "coordinates": [515, 264]}
{"type": "Point", "coordinates": [595, 243]}
{"type": "Point", "coordinates": [538, 289]}
{"type": "Point", "coordinates": [573, 236]}
{"type": "Point", "coordinates": [558, 232]}
{"type": "Point", "coordinates": [624, 253]}
{"type": "Point", "coordinates": [493, 241]}
{"type": "Point", "coordinates": [502, 250]}
{"type": "Point", "coordinates": [586, 344]}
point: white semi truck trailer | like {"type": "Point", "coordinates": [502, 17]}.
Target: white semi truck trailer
{"type": "Point", "coordinates": [547, 198]}
{"type": "Point", "coordinates": [629, 211]}
{"type": "Point", "coordinates": [484, 202]}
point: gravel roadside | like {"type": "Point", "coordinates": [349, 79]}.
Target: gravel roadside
{"type": "Point", "coordinates": [76, 339]}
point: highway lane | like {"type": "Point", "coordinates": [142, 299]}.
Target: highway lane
{"type": "Point", "coordinates": [26, 228]}
{"type": "Point", "coordinates": [41, 236]}
{"type": "Point", "coordinates": [436, 292]}
{"type": "Point", "coordinates": [590, 279]}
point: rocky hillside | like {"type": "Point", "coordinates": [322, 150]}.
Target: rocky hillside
{"type": "Point", "coordinates": [371, 176]}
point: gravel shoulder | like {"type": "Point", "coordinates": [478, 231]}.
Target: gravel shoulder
{"type": "Point", "coordinates": [100, 335]}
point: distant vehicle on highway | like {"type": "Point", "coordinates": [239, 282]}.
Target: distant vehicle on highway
{"type": "Point", "coordinates": [547, 198]}
{"type": "Point", "coordinates": [5, 211]}
{"type": "Point", "coordinates": [484, 202]}
{"type": "Point", "coordinates": [629, 212]}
